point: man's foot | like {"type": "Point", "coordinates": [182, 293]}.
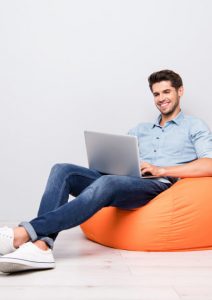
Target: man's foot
{"type": "Point", "coordinates": [6, 240]}
{"type": "Point", "coordinates": [27, 257]}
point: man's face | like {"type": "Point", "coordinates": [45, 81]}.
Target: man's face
{"type": "Point", "coordinates": [166, 97]}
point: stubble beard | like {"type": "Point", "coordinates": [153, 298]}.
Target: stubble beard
{"type": "Point", "coordinates": [171, 111]}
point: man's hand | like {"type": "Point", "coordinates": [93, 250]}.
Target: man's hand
{"type": "Point", "coordinates": [149, 169]}
{"type": "Point", "coordinates": [201, 167]}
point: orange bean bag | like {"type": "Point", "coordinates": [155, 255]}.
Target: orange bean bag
{"type": "Point", "coordinates": [180, 218]}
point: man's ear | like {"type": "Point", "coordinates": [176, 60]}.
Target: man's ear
{"type": "Point", "coordinates": [181, 91]}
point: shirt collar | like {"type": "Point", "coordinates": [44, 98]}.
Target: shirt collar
{"type": "Point", "coordinates": [177, 120]}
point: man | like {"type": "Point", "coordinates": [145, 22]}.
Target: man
{"type": "Point", "coordinates": [174, 147]}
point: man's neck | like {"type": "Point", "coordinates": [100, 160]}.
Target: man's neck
{"type": "Point", "coordinates": [166, 118]}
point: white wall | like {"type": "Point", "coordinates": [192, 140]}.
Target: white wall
{"type": "Point", "coordinates": [66, 66]}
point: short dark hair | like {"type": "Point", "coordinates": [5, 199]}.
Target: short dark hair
{"type": "Point", "coordinates": [165, 75]}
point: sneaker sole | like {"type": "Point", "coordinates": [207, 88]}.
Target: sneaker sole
{"type": "Point", "coordinates": [16, 265]}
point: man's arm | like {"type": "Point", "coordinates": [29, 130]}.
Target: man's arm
{"type": "Point", "coordinates": [201, 167]}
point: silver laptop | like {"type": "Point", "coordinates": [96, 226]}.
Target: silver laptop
{"type": "Point", "coordinates": [113, 154]}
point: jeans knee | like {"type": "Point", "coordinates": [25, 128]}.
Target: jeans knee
{"type": "Point", "coordinates": [58, 174]}
{"type": "Point", "coordinates": [61, 169]}
{"type": "Point", "coordinates": [57, 167]}
{"type": "Point", "coordinates": [105, 180]}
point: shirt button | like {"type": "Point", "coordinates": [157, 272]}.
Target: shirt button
{"type": "Point", "coordinates": [157, 138]}
{"type": "Point", "coordinates": [162, 130]}
{"type": "Point", "coordinates": [155, 150]}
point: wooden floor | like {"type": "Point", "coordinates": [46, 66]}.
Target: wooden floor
{"type": "Point", "coordinates": [85, 270]}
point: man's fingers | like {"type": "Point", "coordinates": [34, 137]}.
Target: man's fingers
{"type": "Point", "coordinates": [146, 170]}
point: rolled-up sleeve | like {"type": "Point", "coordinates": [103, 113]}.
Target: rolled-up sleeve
{"type": "Point", "coordinates": [201, 137]}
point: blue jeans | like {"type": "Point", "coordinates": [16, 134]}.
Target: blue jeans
{"type": "Point", "coordinates": [92, 191]}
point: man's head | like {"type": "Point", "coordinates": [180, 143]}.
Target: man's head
{"type": "Point", "coordinates": [167, 88]}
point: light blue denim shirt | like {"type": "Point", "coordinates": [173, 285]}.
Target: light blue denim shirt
{"type": "Point", "coordinates": [179, 141]}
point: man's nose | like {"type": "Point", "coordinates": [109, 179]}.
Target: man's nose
{"type": "Point", "coordinates": [161, 98]}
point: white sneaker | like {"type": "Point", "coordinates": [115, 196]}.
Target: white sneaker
{"type": "Point", "coordinates": [6, 240]}
{"type": "Point", "coordinates": [27, 257]}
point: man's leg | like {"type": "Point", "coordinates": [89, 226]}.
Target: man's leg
{"type": "Point", "coordinates": [64, 179]}
{"type": "Point", "coordinates": [108, 190]}
{"type": "Point", "coordinates": [120, 191]}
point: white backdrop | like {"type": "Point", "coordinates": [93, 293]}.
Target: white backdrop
{"type": "Point", "coordinates": [70, 65]}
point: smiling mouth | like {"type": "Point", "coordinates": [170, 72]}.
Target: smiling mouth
{"type": "Point", "coordinates": [164, 105]}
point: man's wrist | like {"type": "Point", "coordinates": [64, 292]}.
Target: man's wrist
{"type": "Point", "coordinates": [163, 171]}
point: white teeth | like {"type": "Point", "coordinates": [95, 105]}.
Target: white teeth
{"type": "Point", "coordinates": [164, 104]}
